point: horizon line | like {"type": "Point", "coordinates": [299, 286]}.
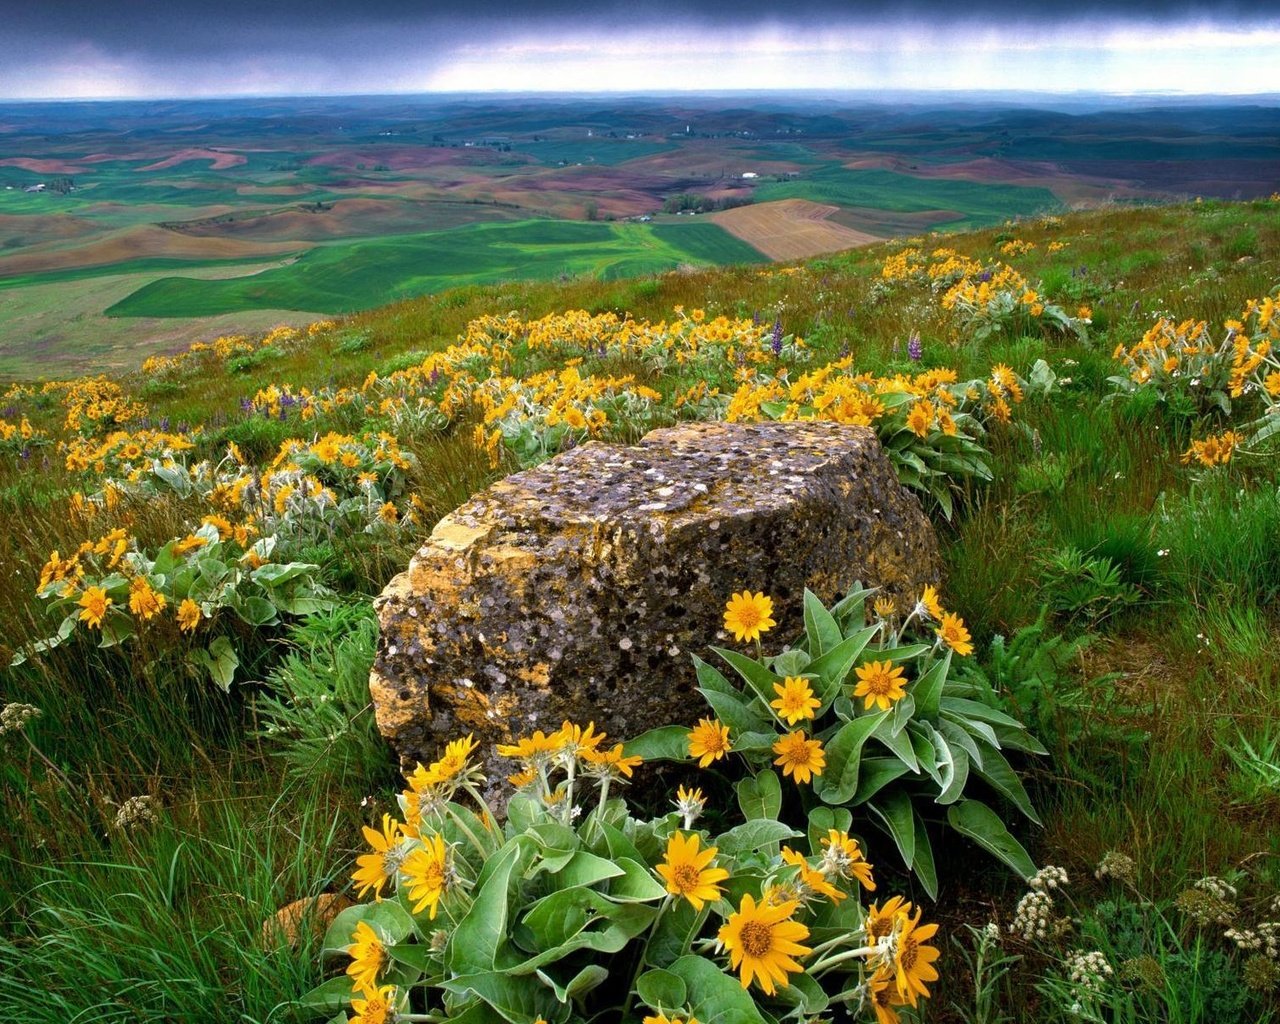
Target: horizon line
{"type": "Point", "coordinates": [1151, 94]}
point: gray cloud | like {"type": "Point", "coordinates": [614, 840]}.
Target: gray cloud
{"type": "Point", "coordinates": [150, 47]}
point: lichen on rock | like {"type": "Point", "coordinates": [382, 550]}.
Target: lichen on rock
{"type": "Point", "coordinates": [579, 588]}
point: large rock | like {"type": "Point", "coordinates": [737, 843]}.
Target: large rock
{"type": "Point", "coordinates": [579, 589]}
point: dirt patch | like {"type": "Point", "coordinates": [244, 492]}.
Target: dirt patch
{"type": "Point", "coordinates": [219, 160]}
{"type": "Point", "coordinates": [148, 241]}
{"type": "Point", "coordinates": [40, 166]}
{"type": "Point", "coordinates": [791, 229]}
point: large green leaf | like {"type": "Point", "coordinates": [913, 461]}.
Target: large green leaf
{"type": "Point", "coordinates": [1000, 774]}
{"type": "Point", "coordinates": [895, 813]}
{"type": "Point", "coordinates": [621, 924]}
{"type": "Point", "coordinates": [839, 780]}
{"type": "Point", "coordinates": [580, 984]}
{"type": "Point", "coordinates": [980, 823]}
{"type": "Point", "coordinates": [760, 796]}
{"type": "Point", "coordinates": [334, 994]}
{"type": "Point", "coordinates": [714, 996]}
{"type": "Point", "coordinates": [832, 668]}
{"type": "Point", "coordinates": [734, 712]}
{"type": "Point", "coordinates": [973, 709]}
{"type": "Point", "coordinates": [752, 835]}
{"type": "Point", "coordinates": [877, 772]}
{"type": "Point", "coordinates": [386, 916]}
{"type": "Point", "coordinates": [923, 865]}
{"type": "Point", "coordinates": [666, 743]}
{"type": "Point", "coordinates": [953, 787]}
{"type": "Point", "coordinates": [1019, 739]}
{"type": "Point", "coordinates": [898, 743]}
{"type": "Point", "coordinates": [473, 947]}
{"type": "Point", "coordinates": [661, 990]}
{"type": "Point", "coordinates": [805, 995]}
{"type": "Point", "coordinates": [673, 933]}
{"type": "Point", "coordinates": [557, 917]}
{"type": "Point", "coordinates": [820, 627]}
{"type": "Point", "coordinates": [636, 885]}
{"type": "Point", "coordinates": [823, 819]}
{"type": "Point", "coordinates": [759, 678]}
{"type": "Point", "coordinates": [959, 739]}
{"type": "Point", "coordinates": [518, 998]}
{"type": "Point", "coordinates": [927, 690]}
{"type": "Point", "coordinates": [710, 677]}
{"type": "Point", "coordinates": [586, 868]}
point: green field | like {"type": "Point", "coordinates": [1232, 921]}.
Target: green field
{"type": "Point", "coordinates": [350, 276]}
{"type": "Point", "coordinates": [607, 152]}
{"type": "Point", "coordinates": [979, 204]}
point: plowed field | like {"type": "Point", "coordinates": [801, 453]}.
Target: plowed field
{"type": "Point", "coordinates": [791, 229]}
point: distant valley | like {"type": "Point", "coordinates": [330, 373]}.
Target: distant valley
{"type": "Point", "coordinates": [130, 228]}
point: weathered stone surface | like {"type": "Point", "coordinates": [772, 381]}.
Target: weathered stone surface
{"type": "Point", "coordinates": [579, 589]}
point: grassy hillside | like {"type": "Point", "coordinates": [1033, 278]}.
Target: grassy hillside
{"type": "Point", "coordinates": [1121, 586]}
{"type": "Point", "coordinates": [957, 205]}
{"type": "Point", "coordinates": [344, 277]}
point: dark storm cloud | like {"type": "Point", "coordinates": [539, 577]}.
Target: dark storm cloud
{"type": "Point", "coordinates": [143, 24]}
{"type": "Point", "coordinates": [170, 47]}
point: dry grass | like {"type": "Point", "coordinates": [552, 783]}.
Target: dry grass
{"type": "Point", "coordinates": [791, 229]}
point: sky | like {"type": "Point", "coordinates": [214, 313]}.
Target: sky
{"type": "Point", "coordinates": [199, 48]}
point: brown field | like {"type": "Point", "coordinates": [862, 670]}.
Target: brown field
{"type": "Point", "coordinates": [27, 229]}
{"type": "Point", "coordinates": [220, 160]}
{"type": "Point", "coordinates": [139, 243]}
{"type": "Point", "coordinates": [40, 166]}
{"type": "Point", "coordinates": [791, 229]}
{"type": "Point", "coordinates": [1070, 187]}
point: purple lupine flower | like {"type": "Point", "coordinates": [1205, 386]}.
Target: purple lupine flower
{"type": "Point", "coordinates": [164, 425]}
{"type": "Point", "coordinates": [915, 347]}
{"type": "Point", "coordinates": [246, 405]}
{"type": "Point", "coordinates": [10, 412]}
{"type": "Point", "coordinates": [777, 336]}
{"type": "Point", "coordinates": [755, 318]}
{"type": "Point", "coordinates": [25, 454]}
{"type": "Point", "coordinates": [435, 376]}
{"type": "Point", "coordinates": [985, 276]}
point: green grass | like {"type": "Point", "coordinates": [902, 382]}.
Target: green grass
{"type": "Point", "coordinates": [1153, 720]}
{"type": "Point", "coordinates": [345, 277]}
{"type": "Point", "coordinates": [979, 204]}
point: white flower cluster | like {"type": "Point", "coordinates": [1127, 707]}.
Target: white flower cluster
{"type": "Point", "coordinates": [1218, 887]}
{"type": "Point", "coordinates": [14, 717]}
{"type": "Point", "coordinates": [1117, 865]}
{"type": "Point", "coordinates": [1033, 918]}
{"type": "Point", "coordinates": [1088, 970]}
{"type": "Point", "coordinates": [1264, 937]}
{"type": "Point", "coordinates": [135, 812]}
{"type": "Point", "coordinates": [1048, 878]}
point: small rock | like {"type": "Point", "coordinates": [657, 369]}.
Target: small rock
{"type": "Point", "coordinates": [284, 928]}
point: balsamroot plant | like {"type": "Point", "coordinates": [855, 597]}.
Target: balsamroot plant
{"type": "Point", "coordinates": [577, 910]}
